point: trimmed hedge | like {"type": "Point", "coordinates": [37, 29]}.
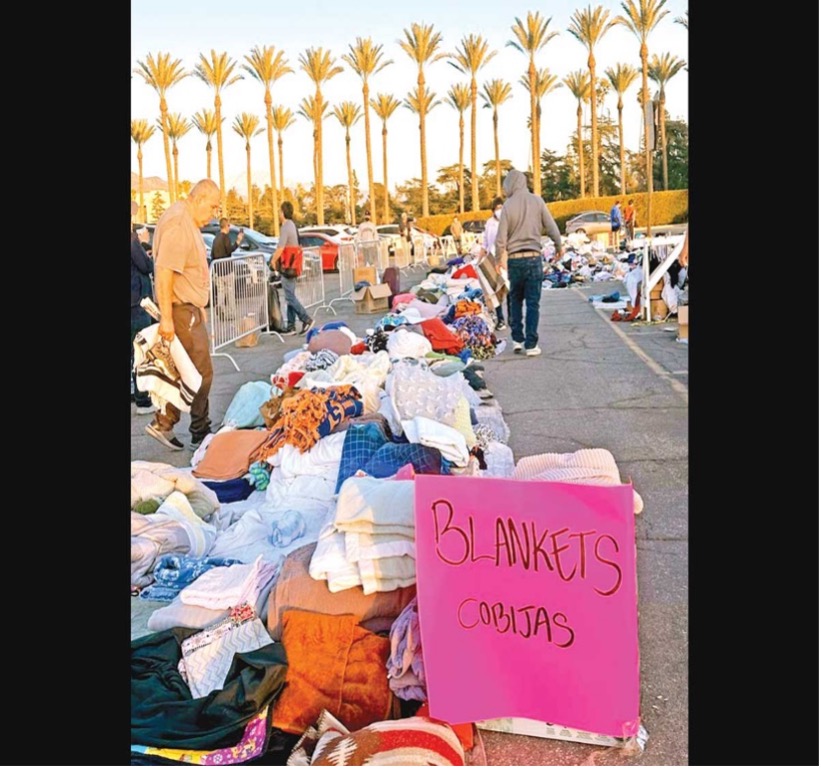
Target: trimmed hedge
{"type": "Point", "coordinates": [670, 207]}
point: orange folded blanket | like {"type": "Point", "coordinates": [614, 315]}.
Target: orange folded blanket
{"type": "Point", "coordinates": [333, 664]}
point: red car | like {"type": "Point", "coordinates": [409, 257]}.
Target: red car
{"type": "Point", "coordinates": [328, 250]}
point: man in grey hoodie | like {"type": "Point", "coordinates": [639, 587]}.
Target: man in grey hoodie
{"type": "Point", "coordinates": [519, 252]}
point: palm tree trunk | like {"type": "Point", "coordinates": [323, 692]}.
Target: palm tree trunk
{"type": "Point", "coordinates": [663, 124]}
{"type": "Point", "coordinates": [647, 155]}
{"type": "Point", "coordinates": [220, 160]}
{"type": "Point", "coordinates": [281, 171]}
{"type": "Point", "coordinates": [208, 158]}
{"type": "Point", "coordinates": [594, 125]}
{"type": "Point", "coordinates": [474, 180]}
{"type": "Point", "coordinates": [269, 114]}
{"type": "Point", "coordinates": [169, 169]}
{"type": "Point", "coordinates": [385, 169]}
{"type": "Point", "coordinates": [621, 147]}
{"type": "Point", "coordinates": [143, 215]}
{"type": "Point", "coordinates": [538, 173]}
{"type": "Point", "coordinates": [176, 154]}
{"type": "Point", "coordinates": [581, 150]}
{"type": "Point", "coordinates": [351, 193]}
{"type": "Point", "coordinates": [461, 163]}
{"type": "Point", "coordinates": [534, 144]}
{"type": "Point", "coordinates": [320, 214]}
{"type": "Point", "coordinates": [250, 199]}
{"type": "Point", "coordinates": [371, 188]}
{"type": "Point", "coordinates": [496, 151]}
{"type": "Point", "coordinates": [423, 150]}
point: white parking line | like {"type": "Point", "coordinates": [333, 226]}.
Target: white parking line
{"type": "Point", "coordinates": [656, 368]}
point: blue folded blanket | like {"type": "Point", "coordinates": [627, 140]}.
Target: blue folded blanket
{"type": "Point", "coordinates": [173, 572]}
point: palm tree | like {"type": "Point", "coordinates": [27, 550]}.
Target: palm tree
{"type": "Point", "coordinates": [459, 99]}
{"type": "Point", "coordinates": [141, 132]}
{"type": "Point", "coordinates": [218, 74]}
{"type": "Point", "coordinates": [161, 73]}
{"type": "Point", "coordinates": [268, 65]}
{"type": "Point", "coordinates": [384, 106]}
{"type": "Point", "coordinates": [494, 94]}
{"type": "Point", "coordinates": [348, 113]}
{"type": "Point", "coordinates": [247, 126]}
{"type": "Point", "coordinates": [641, 17]}
{"type": "Point", "coordinates": [283, 119]}
{"type": "Point", "coordinates": [420, 44]}
{"type": "Point", "coordinates": [545, 83]}
{"type": "Point", "coordinates": [531, 37]}
{"type": "Point", "coordinates": [579, 84]}
{"type": "Point", "coordinates": [621, 77]}
{"type": "Point", "coordinates": [315, 111]}
{"type": "Point", "coordinates": [206, 123]}
{"type": "Point", "coordinates": [684, 20]}
{"type": "Point", "coordinates": [178, 126]}
{"type": "Point", "coordinates": [470, 58]}
{"type": "Point", "coordinates": [365, 59]}
{"type": "Point", "coordinates": [589, 27]}
{"type": "Point", "coordinates": [320, 67]}
{"type": "Point", "coordinates": [660, 70]}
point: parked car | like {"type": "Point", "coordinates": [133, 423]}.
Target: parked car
{"type": "Point", "coordinates": [337, 233]}
{"type": "Point", "coordinates": [476, 226]}
{"type": "Point", "coordinates": [251, 241]}
{"type": "Point", "coordinates": [208, 238]}
{"type": "Point", "coordinates": [392, 233]}
{"type": "Point", "coordinates": [431, 241]}
{"type": "Point", "coordinates": [209, 242]}
{"type": "Point", "coordinates": [589, 223]}
{"type": "Point", "coordinates": [327, 247]}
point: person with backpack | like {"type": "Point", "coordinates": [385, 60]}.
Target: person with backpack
{"type": "Point", "coordinates": [287, 260]}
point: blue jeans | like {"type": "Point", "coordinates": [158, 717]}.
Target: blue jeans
{"type": "Point", "coordinates": [294, 306]}
{"type": "Point", "coordinates": [525, 276]}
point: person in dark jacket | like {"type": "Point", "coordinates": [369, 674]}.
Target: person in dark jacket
{"type": "Point", "coordinates": [142, 270]}
{"type": "Point", "coordinates": [222, 247]}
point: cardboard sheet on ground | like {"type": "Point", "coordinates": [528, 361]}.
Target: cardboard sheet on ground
{"type": "Point", "coordinates": [528, 601]}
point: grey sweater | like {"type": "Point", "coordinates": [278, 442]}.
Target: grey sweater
{"type": "Point", "coordinates": [524, 218]}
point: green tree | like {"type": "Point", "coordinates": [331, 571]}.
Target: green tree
{"type": "Point", "coordinates": [420, 44]}
{"type": "Point", "coordinates": [530, 37]}
{"type": "Point", "coordinates": [621, 77]}
{"type": "Point", "coordinates": [494, 94]}
{"type": "Point", "coordinates": [384, 106]}
{"type": "Point", "coordinates": [218, 73]}
{"type": "Point", "coordinates": [283, 119]}
{"type": "Point", "coordinates": [348, 113]}
{"type": "Point", "coordinates": [661, 69]}
{"type": "Point", "coordinates": [141, 132]}
{"type": "Point", "coordinates": [641, 17]}
{"type": "Point", "coordinates": [157, 206]}
{"type": "Point", "coordinates": [365, 59]}
{"type": "Point", "coordinates": [459, 99]}
{"type": "Point", "coordinates": [206, 124]}
{"type": "Point", "coordinates": [247, 126]}
{"type": "Point", "coordinates": [557, 177]}
{"type": "Point", "coordinates": [470, 56]}
{"type": "Point", "coordinates": [320, 67]}
{"type": "Point", "coordinates": [161, 73]}
{"type": "Point", "coordinates": [268, 65]}
{"type": "Point", "coordinates": [579, 84]}
{"type": "Point", "coordinates": [589, 27]}
{"type": "Point", "coordinates": [178, 126]}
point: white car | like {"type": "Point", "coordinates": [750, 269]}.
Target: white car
{"type": "Point", "coordinates": [337, 233]}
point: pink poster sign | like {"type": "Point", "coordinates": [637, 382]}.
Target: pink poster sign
{"type": "Point", "coordinates": [528, 602]}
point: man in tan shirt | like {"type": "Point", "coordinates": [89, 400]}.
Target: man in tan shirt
{"type": "Point", "coordinates": [182, 288]}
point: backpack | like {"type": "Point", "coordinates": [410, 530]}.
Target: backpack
{"type": "Point", "coordinates": [290, 263]}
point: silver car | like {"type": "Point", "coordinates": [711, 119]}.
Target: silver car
{"type": "Point", "coordinates": [588, 222]}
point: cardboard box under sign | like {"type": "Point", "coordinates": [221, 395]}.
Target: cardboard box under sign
{"type": "Point", "coordinates": [522, 726]}
{"type": "Point", "coordinates": [372, 299]}
{"type": "Point", "coordinates": [684, 322]}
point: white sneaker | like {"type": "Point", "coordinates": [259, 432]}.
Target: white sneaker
{"type": "Point", "coordinates": [518, 347]}
{"type": "Point", "coordinates": [150, 409]}
{"type": "Point", "coordinates": [537, 351]}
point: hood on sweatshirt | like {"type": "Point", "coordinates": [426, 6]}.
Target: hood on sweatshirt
{"type": "Point", "coordinates": [514, 182]}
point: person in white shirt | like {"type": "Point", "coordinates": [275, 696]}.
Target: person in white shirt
{"type": "Point", "coordinates": [368, 234]}
{"type": "Point", "coordinates": [489, 247]}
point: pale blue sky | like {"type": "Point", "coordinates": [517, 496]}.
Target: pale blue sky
{"type": "Point", "coordinates": [187, 29]}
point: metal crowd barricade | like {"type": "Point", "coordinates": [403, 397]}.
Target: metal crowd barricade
{"type": "Point", "coordinates": [401, 255]}
{"type": "Point", "coordinates": [347, 262]}
{"type": "Point", "coordinates": [239, 299]}
{"type": "Point", "coordinates": [448, 247]}
{"type": "Point", "coordinates": [310, 286]}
